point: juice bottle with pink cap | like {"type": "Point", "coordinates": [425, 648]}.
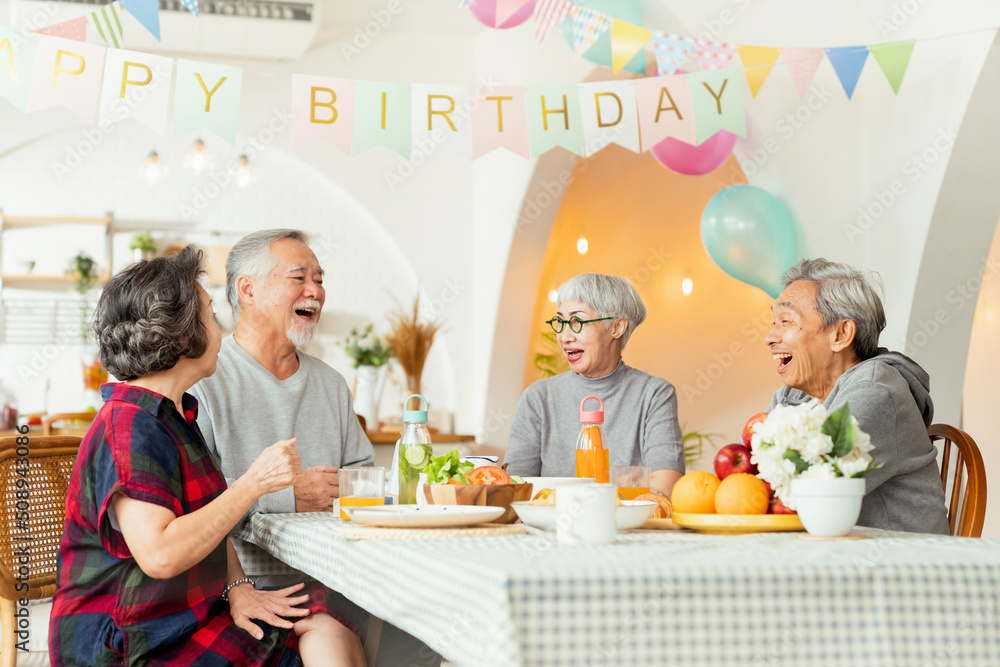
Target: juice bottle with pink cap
{"type": "Point", "coordinates": [592, 456]}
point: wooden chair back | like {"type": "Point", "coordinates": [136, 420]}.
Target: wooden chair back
{"type": "Point", "coordinates": [34, 479]}
{"type": "Point", "coordinates": [967, 477]}
{"type": "Point", "coordinates": [68, 423]}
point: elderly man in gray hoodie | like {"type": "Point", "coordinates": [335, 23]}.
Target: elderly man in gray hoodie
{"type": "Point", "coordinates": [827, 322]}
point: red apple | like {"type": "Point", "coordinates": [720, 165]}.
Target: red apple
{"type": "Point", "coordinates": [778, 507]}
{"type": "Point", "coordinates": [733, 458]}
{"type": "Point", "coordinates": [748, 429]}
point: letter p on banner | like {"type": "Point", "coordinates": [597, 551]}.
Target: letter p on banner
{"type": "Point", "coordinates": [322, 110]}
{"type": "Point", "coordinates": [207, 96]}
{"type": "Point", "coordinates": [137, 86]}
{"type": "Point", "coordinates": [67, 74]}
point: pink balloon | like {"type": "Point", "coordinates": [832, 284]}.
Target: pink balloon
{"type": "Point", "coordinates": [691, 160]}
{"type": "Point", "coordinates": [485, 12]}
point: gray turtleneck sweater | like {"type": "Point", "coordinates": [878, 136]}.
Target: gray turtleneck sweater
{"type": "Point", "coordinates": [640, 423]}
{"type": "Point", "coordinates": [889, 395]}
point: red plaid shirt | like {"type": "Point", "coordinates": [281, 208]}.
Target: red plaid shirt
{"type": "Point", "coordinates": [106, 610]}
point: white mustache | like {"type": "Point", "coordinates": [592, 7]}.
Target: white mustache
{"type": "Point", "coordinates": [311, 303]}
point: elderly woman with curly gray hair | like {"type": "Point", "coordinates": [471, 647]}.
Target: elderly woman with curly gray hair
{"type": "Point", "coordinates": [146, 572]}
{"type": "Point", "coordinates": [596, 315]}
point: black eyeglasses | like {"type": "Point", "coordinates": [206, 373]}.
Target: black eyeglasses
{"type": "Point", "coordinates": [575, 323]}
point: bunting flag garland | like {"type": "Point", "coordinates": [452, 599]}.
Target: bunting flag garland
{"type": "Point", "coordinates": [554, 118]}
{"type": "Point", "coordinates": [717, 98]}
{"type": "Point", "coordinates": [67, 74]}
{"type": "Point", "coordinates": [207, 95]}
{"type": "Point", "coordinates": [108, 24]}
{"type": "Point", "coordinates": [75, 29]}
{"type": "Point", "coordinates": [714, 55]}
{"type": "Point", "coordinates": [17, 65]}
{"type": "Point", "coordinates": [757, 61]}
{"type": "Point", "coordinates": [382, 117]}
{"type": "Point", "coordinates": [802, 63]}
{"type": "Point", "coordinates": [609, 115]}
{"type": "Point", "coordinates": [328, 103]}
{"type": "Point", "coordinates": [146, 12]}
{"type": "Point", "coordinates": [665, 110]}
{"type": "Point", "coordinates": [626, 41]}
{"type": "Point", "coordinates": [436, 119]}
{"type": "Point", "coordinates": [191, 6]}
{"type": "Point", "coordinates": [671, 50]}
{"type": "Point", "coordinates": [893, 58]}
{"type": "Point", "coordinates": [501, 122]}
{"type": "Point", "coordinates": [136, 85]}
{"type": "Point", "coordinates": [848, 61]}
{"type": "Point", "coordinates": [549, 14]}
{"type": "Point", "coordinates": [588, 26]}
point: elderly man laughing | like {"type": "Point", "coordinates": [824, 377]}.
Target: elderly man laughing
{"type": "Point", "coordinates": [825, 339]}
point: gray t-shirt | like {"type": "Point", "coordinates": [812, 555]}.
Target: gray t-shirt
{"type": "Point", "coordinates": [244, 409]}
{"type": "Point", "coordinates": [640, 423]}
{"type": "Point", "coordinates": [889, 395]}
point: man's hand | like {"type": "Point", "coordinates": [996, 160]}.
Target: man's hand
{"type": "Point", "coordinates": [248, 605]}
{"type": "Point", "coordinates": [316, 489]}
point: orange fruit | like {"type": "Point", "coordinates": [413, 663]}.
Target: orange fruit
{"type": "Point", "coordinates": [694, 493]}
{"type": "Point", "coordinates": [742, 493]}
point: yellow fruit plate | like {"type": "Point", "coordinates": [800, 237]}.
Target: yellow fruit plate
{"type": "Point", "coordinates": [735, 524]}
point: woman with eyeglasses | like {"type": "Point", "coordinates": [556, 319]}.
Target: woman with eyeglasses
{"type": "Point", "coordinates": [596, 316]}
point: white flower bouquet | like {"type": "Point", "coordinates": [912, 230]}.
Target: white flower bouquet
{"type": "Point", "coordinates": [804, 441]}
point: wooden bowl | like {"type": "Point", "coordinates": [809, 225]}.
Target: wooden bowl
{"type": "Point", "coordinates": [494, 495]}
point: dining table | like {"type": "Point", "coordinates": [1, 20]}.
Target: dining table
{"type": "Point", "coordinates": [662, 597]}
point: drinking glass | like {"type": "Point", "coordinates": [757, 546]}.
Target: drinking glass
{"type": "Point", "coordinates": [631, 481]}
{"type": "Point", "coordinates": [361, 487]}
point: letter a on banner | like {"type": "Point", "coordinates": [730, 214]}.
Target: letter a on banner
{"type": "Point", "coordinates": [609, 115]}
{"type": "Point", "coordinates": [136, 85]}
{"type": "Point", "coordinates": [17, 64]}
{"type": "Point", "coordinates": [322, 110]}
{"type": "Point", "coordinates": [717, 98]}
{"type": "Point", "coordinates": [207, 96]}
{"type": "Point", "coordinates": [665, 110]}
{"type": "Point", "coordinates": [68, 74]}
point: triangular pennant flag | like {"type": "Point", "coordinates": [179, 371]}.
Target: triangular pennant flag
{"type": "Point", "coordinates": [146, 12]}
{"type": "Point", "coordinates": [462, 3]}
{"type": "Point", "coordinates": [108, 23]}
{"type": "Point", "coordinates": [626, 41]}
{"type": "Point", "coordinates": [714, 55]}
{"type": "Point", "coordinates": [893, 58]}
{"type": "Point", "coordinates": [802, 63]}
{"type": "Point", "coordinates": [191, 6]}
{"type": "Point", "coordinates": [507, 8]}
{"type": "Point", "coordinates": [757, 63]}
{"type": "Point", "coordinates": [848, 61]}
{"type": "Point", "coordinates": [588, 25]}
{"type": "Point", "coordinates": [75, 29]}
{"type": "Point", "coordinates": [671, 50]}
{"type": "Point", "coordinates": [549, 14]}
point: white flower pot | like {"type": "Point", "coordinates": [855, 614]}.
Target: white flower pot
{"type": "Point", "coordinates": [371, 380]}
{"type": "Point", "coordinates": [829, 507]}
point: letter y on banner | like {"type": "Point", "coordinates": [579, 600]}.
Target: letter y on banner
{"type": "Point", "coordinates": [207, 96]}
{"type": "Point", "coordinates": [717, 98]}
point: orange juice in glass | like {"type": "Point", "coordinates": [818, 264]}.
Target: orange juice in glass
{"type": "Point", "coordinates": [632, 481]}
{"type": "Point", "coordinates": [361, 487]}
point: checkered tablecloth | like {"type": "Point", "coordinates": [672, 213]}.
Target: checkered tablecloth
{"type": "Point", "coordinates": [666, 597]}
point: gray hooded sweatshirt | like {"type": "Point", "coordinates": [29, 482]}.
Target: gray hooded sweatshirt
{"type": "Point", "coordinates": [889, 395]}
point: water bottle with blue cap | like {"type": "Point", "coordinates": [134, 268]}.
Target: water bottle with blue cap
{"type": "Point", "coordinates": [413, 452]}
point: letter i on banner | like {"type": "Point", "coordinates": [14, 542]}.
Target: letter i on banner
{"type": "Point", "coordinates": [609, 115]}
{"type": "Point", "coordinates": [17, 63]}
{"type": "Point", "coordinates": [717, 97]}
{"type": "Point", "coordinates": [665, 110]}
{"type": "Point", "coordinates": [322, 110]}
{"type": "Point", "coordinates": [554, 118]}
{"type": "Point", "coordinates": [207, 96]}
{"type": "Point", "coordinates": [68, 74]}
{"type": "Point", "coordinates": [500, 121]}
{"type": "Point", "coordinates": [382, 117]}
{"type": "Point", "coordinates": [137, 85]}
{"type": "Point", "coordinates": [441, 118]}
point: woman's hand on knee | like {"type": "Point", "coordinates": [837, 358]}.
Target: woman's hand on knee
{"type": "Point", "coordinates": [248, 605]}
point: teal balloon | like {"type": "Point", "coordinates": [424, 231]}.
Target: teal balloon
{"type": "Point", "coordinates": [750, 234]}
{"type": "Point", "coordinates": [600, 52]}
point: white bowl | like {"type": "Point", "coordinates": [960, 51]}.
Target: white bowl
{"type": "Point", "coordinates": [630, 514]}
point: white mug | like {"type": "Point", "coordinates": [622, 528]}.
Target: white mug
{"type": "Point", "coordinates": [585, 513]}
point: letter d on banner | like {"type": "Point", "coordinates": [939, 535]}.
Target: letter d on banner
{"type": "Point", "coordinates": [68, 74]}
{"type": "Point", "coordinates": [609, 115]}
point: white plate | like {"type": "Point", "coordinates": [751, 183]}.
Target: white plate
{"type": "Point", "coordinates": [630, 514]}
{"type": "Point", "coordinates": [540, 483]}
{"type": "Point", "coordinates": [427, 516]}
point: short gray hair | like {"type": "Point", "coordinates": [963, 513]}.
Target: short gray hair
{"type": "Point", "coordinates": [610, 296]}
{"type": "Point", "coordinates": [251, 256]}
{"type": "Point", "coordinates": [845, 293]}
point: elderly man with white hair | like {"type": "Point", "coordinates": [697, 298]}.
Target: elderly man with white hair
{"type": "Point", "coordinates": [596, 316]}
{"type": "Point", "coordinates": [827, 322]}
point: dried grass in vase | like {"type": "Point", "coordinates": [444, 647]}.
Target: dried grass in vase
{"type": "Point", "coordinates": [411, 341]}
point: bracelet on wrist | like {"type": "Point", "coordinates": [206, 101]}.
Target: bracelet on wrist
{"type": "Point", "coordinates": [231, 586]}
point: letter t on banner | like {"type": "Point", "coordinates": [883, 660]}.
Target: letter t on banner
{"type": "Point", "coordinates": [609, 115]}
{"type": "Point", "coordinates": [500, 122]}
{"type": "Point", "coordinates": [67, 73]}
{"type": "Point", "coordinates": [322, 109]}
{"type": "Point", "coordinates": [717, 98]}
{"type": "Point", "coordinates": [207, 96]}
{"type": "Point", "coordinates": [137, 86]}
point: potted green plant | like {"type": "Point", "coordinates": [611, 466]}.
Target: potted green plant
{"type": "Point", "coordinates": [370, 357]}
{"type": "Point", "coordinates": [83, 268]}
{"type": "Point", "coordinates": [143, 246]}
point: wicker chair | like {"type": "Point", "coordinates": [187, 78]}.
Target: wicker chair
{"type": "Point", "coordinates": [967, 505]}
{"type": "Point", "coordinates": [68, 423]}
{"type": "Point", "coordinates": [50, 461]}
